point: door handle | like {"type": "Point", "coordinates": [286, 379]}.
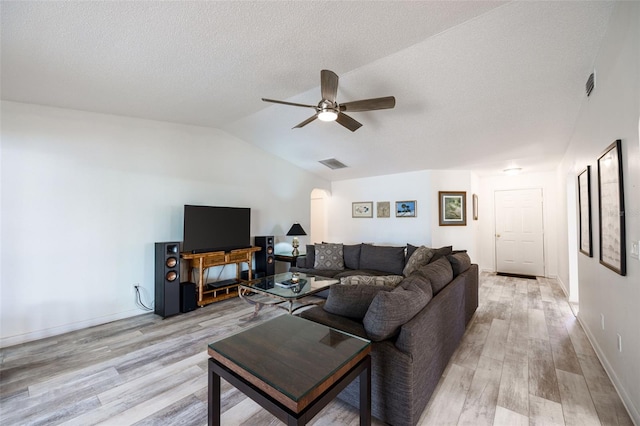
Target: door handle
{"type": "Point", "coordinates": [497, 235]}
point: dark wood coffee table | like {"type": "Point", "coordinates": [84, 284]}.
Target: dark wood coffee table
{"type": "Point", "coordinates": [292, 367]}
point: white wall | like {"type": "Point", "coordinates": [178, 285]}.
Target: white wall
{"type": "Point", "coordinates": [610, 113]}
{"type": "Point", "coordinates": [85, 196]}
{"type": "Point", "coordinates": [487, 229]}
{"type": "Point", "coordinates": [388, 231]}
{"type": "Point", "coordinates": [422, 186]}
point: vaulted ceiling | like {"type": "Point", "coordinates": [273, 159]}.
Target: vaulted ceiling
{"type": "Point", "coordinates": [479, 85]}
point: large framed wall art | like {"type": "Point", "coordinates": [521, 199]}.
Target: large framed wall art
{"type": "Point", "coordinates": [611, 209]}
{"type": "Point", "coordinates": [453, 208]}
{"type": "Point", "coordinates": [584, 206]}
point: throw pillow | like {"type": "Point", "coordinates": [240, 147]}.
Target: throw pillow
{"type": "Point", "coordinates": [410, 250]}
{"type": "Point", "coordinates": [390, 281]}
{"type": "Point", "coordinates": [440, 252]}
{"type": "Point", "coordinates": [382, 258]}
{"type": "Point", "coordinates": [389, 310]}
{"type": "Point", "coordinates": [352, 256]}
{"type": "Point", "coordinates": [329, 257]}
{"type": "Point", "coordinates": [420, 257]}
{"type": "Point", "coordinates": [439, 273]}
{"type": "Point", "coordinates": [351, 300]}
{"type": "Point", "coordinates": [460, 262]}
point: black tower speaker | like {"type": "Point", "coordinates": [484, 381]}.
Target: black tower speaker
{"type": "Point", "coordinates": [167, 282]}
{"type": "Point", "coordinates": [265, 258]}
{"type": "Point", "coordinates": [187, 297]}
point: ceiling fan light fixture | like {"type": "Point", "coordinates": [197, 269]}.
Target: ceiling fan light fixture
{"type": "Point", "coordinates": [327, 115]}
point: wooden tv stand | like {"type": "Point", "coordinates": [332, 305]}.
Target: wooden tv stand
{"type": "Point", "coordinates": [220, 290]}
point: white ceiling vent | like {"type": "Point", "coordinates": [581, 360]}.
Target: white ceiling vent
{"type": "Point", "coordinates": [591, 83]}
{"type": "Point", "coordinates": [333, 164]}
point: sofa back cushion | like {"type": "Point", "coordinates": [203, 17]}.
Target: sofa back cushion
{"type": "Point", "coordinates": [439, 273]}
{"type": "Point", "coordinates": [390, 310]}
{"type": "Point", "coordinates": [352, 256]}
{"type": "Point", "coordinates": [382, 258]}
{"type": "Point", "coordinates": [352, 300]}
{"type": "Point", "coordinates": [460, 262]}
{"type": "Point", "coordinates": [309, 260]}
{"type": "Point", "coordinates": [329, 257]}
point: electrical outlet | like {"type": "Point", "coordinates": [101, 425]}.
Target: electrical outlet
{"type": "Point", "coordinates": [635, 249]}
{"type": "Point", "coordinates": [602, 321]}
{"type": "Point", "coordinates": [619, 343]}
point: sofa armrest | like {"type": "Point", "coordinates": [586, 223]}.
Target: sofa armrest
{"type": "Point", "coordinates": [301, 262]}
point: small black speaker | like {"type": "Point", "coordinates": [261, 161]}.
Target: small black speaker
{"type": "Point", "coordinates": [167, 279]}
{"type": "Point", "coordinates": [265, 258]}
{"type": "Point", "coordinates": [187, 297]}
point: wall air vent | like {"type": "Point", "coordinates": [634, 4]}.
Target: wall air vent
{"type": "Point", "coordinates": [591, 83]}
{"type": "Point", "coordinates": [333, 164]}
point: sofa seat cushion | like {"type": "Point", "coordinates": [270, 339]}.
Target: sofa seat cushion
{"type": "Point", "coordinates": [329, 257]}
{"type": "Point", "coordinates": [391, 281]}
{"type": "Point", "coordinates": [350, 272]}
{"type": "Point", "coordinates": [389, 310]}
{"type": "Point", "coordinates": [352, 301]}
{"type": "Point", "coordinates": [319, 272]}
{"type": "Point", "coordinates": [439, 273]}
{"type": "Point", "coordinates": [382, 258]}
{"type": "Point", "coordinates": [319, 315]}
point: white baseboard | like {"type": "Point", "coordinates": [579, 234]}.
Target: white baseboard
{"type": "Point", "coordinates": [624, 396]}
{"type": "Point", "coordinates": [563, 286]}
{"type": "Point", "coordinates": [55, 331]}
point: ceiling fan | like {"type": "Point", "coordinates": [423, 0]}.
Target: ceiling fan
{"type": "Point", "coordinates": [329, 110]}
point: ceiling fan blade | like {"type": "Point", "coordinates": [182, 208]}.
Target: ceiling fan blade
{"type": "Point", "coordinates": [348, 122]}
{"type": "Point", "coordinates": [288, 103]}
{"type": "Point", "coordinates": [305, 122]}
{"type": "Point", "coordinates": [369, 104]}
{"type": "Point", "coordinates": [329, 85]}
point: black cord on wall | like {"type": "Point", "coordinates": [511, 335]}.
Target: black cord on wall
{"type": "Point", "coordinates": [139, 300]}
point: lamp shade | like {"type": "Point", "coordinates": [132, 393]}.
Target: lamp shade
{"type": "Point", "coordinates": [296, 229]}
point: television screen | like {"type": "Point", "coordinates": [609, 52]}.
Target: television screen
{"type": "Point", "coordinates": [216, 228]}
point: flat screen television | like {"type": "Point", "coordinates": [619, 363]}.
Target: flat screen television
{"type": "Point", "coordinates": [216, 228]}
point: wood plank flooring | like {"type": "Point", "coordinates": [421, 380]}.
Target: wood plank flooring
{"type": "Point", "coordinates": [523, 360]}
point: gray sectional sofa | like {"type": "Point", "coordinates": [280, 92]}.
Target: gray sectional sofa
{"type": "Point", "coordinates": [415, 322]}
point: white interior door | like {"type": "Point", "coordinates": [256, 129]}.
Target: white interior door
{"type": "Point", "coordinates": [519, 232]}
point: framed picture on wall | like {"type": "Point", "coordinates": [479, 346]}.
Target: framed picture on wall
{"type": "Point", "coordinates": [584, 206]}
{"type": "Point", "coordinates": [406, 208]}
{"type": "Point", "coordinates": [362, 209]}
{"type": "Point", "coordinates": [383, 209]}
{"type": "Point", "coordinates": [611, 209]}
{"type": "Point", "coordinates": [475, 207]}
{"type": "Point", "coordinates": [452, 206]}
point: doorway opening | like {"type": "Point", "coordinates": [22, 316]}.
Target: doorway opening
{"type": "Point", "coordinates": [318, 215]}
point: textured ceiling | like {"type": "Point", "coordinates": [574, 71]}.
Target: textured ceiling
{"type": "Point", "coordinates": [478, 85]}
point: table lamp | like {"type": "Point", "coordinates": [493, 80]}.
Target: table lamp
{"type": "Point", "coordinates": [295, 231]}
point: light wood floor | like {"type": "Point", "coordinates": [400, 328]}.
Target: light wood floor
{"type": "Point", "coordinates": [524, 360]}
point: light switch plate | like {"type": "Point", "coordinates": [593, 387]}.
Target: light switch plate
{"type": "Point", "coordinates": [635, 249]}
